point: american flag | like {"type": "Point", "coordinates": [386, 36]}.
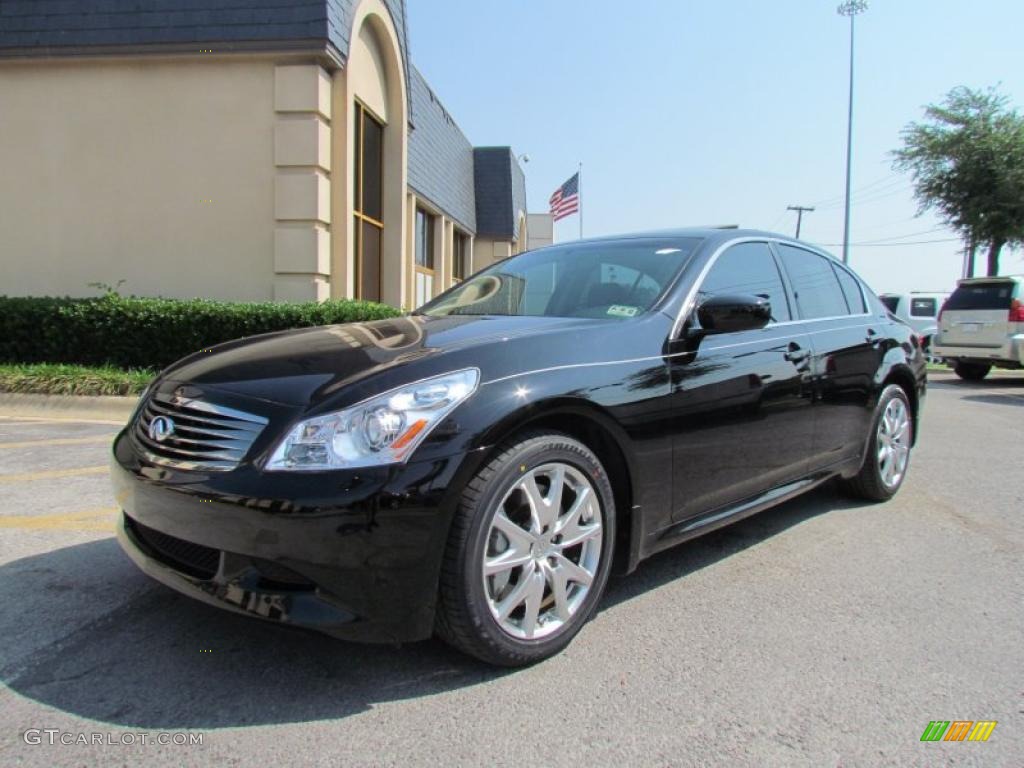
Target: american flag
{"type": "Point", "coordinates": [566, 200]}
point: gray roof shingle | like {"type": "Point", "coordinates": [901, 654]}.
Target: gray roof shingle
{"type": "Point", "coordinates": [48, 26]}
{"type": "Point", "coordinates": [440, 156]}
{"type": "Point", "coordinates": [500, 192]}
{"type": "Point", "coordinates": [56, 24]}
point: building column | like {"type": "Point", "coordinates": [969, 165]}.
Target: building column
{"type": "Point", "coordinates": [302, 190]}
{"type": "Point", "coordinates": [409, 257]}
{"type": "Point", "coordinates": [442, 254]}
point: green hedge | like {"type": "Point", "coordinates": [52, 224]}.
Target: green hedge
{"type": "Point", "coordinates": [150, 333]}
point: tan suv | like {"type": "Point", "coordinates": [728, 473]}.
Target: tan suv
{"type": "Point", "coordinates": [982, 325]}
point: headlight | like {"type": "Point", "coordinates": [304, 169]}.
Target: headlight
{"type": "Point", "coordinates": [382, 430]}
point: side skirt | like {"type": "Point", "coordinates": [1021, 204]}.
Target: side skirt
{"type": "Point", "coordinates": [723, 516]}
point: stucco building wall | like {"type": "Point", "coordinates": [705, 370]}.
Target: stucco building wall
{"type": "Point", "coordinates": [156, 172]}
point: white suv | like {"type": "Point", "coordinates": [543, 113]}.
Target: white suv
{"type": "Point", "coordinates": [982, 325]}
{"type": "Point", "coordinates": [919, 310]}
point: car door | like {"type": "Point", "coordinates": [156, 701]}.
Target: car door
{"type": "Point", "coordinates": [741, 402]}
{"type": "Point", "coordinates": [848, 345]}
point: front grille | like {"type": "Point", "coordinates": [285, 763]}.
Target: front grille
{"type": "Point", "coordinates": [201, 435]}
{"type": "Point", "coordinates": [193, 559]}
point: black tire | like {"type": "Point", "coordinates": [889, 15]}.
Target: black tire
{"type": "Point", "coordinates": [868, 483]}
{"type": "Point", "coordinates": [972, 371]}
{"type": "Point", "coordinates": [464, 619]}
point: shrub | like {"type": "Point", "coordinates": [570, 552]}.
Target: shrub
{"type": "Point", "coordinates": [150, 333]}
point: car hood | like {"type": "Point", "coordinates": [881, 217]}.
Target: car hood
{"type": "Point", "coordinates": [305, 366]}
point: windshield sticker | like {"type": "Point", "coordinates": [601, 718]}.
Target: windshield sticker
{"type": "Point", "coordinates": [621, 310]}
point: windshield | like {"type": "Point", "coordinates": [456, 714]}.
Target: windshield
{"type": "Point", "coordinates": [614, 279]}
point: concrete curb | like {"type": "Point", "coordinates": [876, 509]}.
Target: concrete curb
{"type": "Point", "coordinates": [114, 410]}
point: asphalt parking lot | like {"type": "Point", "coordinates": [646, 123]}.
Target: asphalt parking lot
{"type": "Point", "coordinates": [821, 633]}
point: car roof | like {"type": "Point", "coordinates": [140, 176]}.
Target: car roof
{"type": "Point", "coordinates": [716, 233]}
{"type": "Point", "coordinates": [912, 294]}
{"type": "Point", "coordinates": [994, 278]}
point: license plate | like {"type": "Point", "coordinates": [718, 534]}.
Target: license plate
{"type": "Point", "coordinates": [970, 327]}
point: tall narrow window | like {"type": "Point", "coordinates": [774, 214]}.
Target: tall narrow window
{"type": "Point", "coordinates": [368, 203]}
{"type": "Point", "coordinates": [460, 255]}
{"type": "Point", "coordinates": [424, 257]}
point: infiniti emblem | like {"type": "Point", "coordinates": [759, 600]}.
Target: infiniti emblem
{"type": "Point", "coordinates": [161, 428]}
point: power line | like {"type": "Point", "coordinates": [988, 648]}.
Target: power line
{"type": "Point", "coordinates": [889, 224]}
{"type": "Point", "coordinates": [903, 237]}
{"type": "Point", "coordinates": [870, 197]}
{"type": "Point", "coordinates": [883, 181]}
{"type": "Point", "coordinates": [885, 245]}
{"type": "Point", "coordinates": [890, 239]}
{"type": "Point", "coordinates": [777, 221]}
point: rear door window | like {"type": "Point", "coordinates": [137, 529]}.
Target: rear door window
{"type": "Point", "coordinates": [994, 295]}
{"type": "Point", "coordinates": [923, 307]}
{"type": "Point", "coordinates": [817, 289]}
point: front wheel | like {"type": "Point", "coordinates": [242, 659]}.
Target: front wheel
{"type": "Point", "coordinates": [972, 371]}
{"type": "Point", "coordinates": [888, 455]}
{"type": "Point", "coordinates": [529, 552]}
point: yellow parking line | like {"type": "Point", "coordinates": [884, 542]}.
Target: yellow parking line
{"type": "Point", "coordinates": [86, 520]}
{"type": "Point", "coordinates": [58, 441]}
{"type": "Point", "coordinates": [52, 473]}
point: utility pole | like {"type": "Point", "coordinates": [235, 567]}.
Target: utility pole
{"type": "Point", "coordinates": [849, 8]}
{"type": "Point", "coordinates": [800, 210]}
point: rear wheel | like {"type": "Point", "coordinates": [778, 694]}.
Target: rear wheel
{"type": "Point", "coordinates": [529, 552]}
{"type": "Point", "coordinates": [888, 455]}
{"type": "Point", "coordinates": [972, 371]}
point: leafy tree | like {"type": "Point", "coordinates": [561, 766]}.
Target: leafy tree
{"type": "Point", "coordinates": [967, 162]}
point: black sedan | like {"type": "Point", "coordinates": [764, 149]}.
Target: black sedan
{"type": "Point", "coordinates": [475, 469]}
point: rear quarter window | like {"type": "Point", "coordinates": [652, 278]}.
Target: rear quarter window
{"type": "Point", "coordinates": [851, 291]}
{"type": "Point", "coordinates": [995, 295]}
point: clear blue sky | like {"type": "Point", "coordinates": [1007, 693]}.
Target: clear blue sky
{"type": "Point", "coordinates": [721, 111]}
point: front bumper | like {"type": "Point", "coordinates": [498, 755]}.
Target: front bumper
{"type": "Point", "coordinates": [1010, 353]}
{"type": "Point", "coordinates": [354, 554]}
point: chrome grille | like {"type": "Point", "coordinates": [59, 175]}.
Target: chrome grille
{"type": "Point", "coordinates": [205, 436]}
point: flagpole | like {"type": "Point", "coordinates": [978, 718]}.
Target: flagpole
{"type": "Point", "coordinates": [579, 193]}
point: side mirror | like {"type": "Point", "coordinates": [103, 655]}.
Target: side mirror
{"type": "Point", "coordinates": [731, 312]}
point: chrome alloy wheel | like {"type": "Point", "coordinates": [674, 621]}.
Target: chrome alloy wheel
{"type": "Point", "coordinates": [893, 442]}
{"type": "Point", "coordinates": [543, 550]}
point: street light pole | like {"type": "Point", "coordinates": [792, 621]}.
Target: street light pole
{"type": "Point", "coordinates": [850, 8]}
